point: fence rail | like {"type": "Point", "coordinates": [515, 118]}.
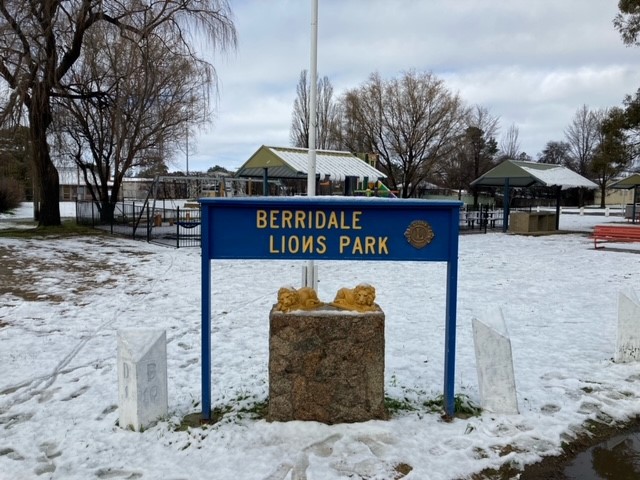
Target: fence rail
{"type": "Point", "coordinates": [176, 227]}
{"type": "Point", "coordinates": [180, 227]}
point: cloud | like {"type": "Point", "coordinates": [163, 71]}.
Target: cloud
{"type": "Point", "coordinates": [533, 64]}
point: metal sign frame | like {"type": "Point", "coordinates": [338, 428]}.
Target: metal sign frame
{"type": "Point", "coordinates": [330, 228]}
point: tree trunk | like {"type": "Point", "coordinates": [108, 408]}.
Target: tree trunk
{"type": "Point", "coordinates": [107, 212]}
{"type": "Point", "coordinates": [107, 208]}
{"type": "Point", "coordinates": [47, 180]}
{"type": "Point", "coordinates": [603, 193]}
{"type": "Point", "coordinates": [580, 196]}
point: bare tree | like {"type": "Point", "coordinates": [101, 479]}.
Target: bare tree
{"type": "Point", "coordinates": [510, 144]}
{"type": "Point", "coordinates": [480, 117]}
{"type": "Point", "coordinates": [41, 40]}
{"type": "Point", "coordinates": [352, 136]}
{"type": "Point", "coordinates": [326, 112]}
{"type": "Point", "coordinates": [411, 122]}
{"type": "Point", "coordinates": [582, 136]}
{"type": "Point", "coordinates": [119, 120]}
{"type": "Point", "coordinates": [557, 153]}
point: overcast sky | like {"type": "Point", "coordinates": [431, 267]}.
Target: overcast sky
{"type": "Point", "coordinates": [531, 63]}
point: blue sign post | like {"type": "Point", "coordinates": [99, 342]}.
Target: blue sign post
{"type": "Point", "coordinates": [330, 228]}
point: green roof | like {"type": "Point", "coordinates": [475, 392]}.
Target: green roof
{"type": "Point", "coordinates": [527, 174]}
{"type": "Point", "coordinates": [629, 182]}
{"type": "Point", "coordinates": [291, 162]}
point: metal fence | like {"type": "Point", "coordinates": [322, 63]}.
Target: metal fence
{"type": "Point", "coordinates": [180, 227]}
{"type": "Point", "coordinates": [176, 227]}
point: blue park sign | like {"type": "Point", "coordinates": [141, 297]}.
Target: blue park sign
{"type": "Point", "coordinates": [330, 228]}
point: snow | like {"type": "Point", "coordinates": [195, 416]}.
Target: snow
{"type": "Point", "coordinates": [58, 345]}
{"type": "Point", "coordinates": [559, 176]}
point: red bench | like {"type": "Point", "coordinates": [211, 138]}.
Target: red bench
{"type": "Point", "coordinates": [615, 233]}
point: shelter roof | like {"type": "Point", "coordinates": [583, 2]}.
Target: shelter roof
{"type": "Point", "coordinates": [527, 174]}
{"type": "Point", "coordinates": [628, 182]}
{"type": "Point", "coordinates": [290, 162]}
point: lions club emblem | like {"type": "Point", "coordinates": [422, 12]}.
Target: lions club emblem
{"type": "Point", "coordinates": [419, 234]}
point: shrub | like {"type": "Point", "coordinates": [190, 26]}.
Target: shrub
{"type": "Point", "coordinates": [10, 194]}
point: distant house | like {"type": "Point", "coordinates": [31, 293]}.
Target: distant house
{"type": "Point", "coordinates": [72, 185]}
{"type": "Point", "coordinates": [135, 188]}
{"type": "Point", "coordinates": [284, 170]}
{"type": "Point", "coordinates": [623, 191]}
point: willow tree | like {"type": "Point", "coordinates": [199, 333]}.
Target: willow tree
{"type": "Point", "coordinates": [118, 121]}
{"type": "Point", "coordinates": [411, 122]}
{"type": "Point", "coordinates": [41, 40]}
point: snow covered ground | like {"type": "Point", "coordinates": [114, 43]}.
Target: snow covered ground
{"type": "Point", "coordinates": [63, 300]}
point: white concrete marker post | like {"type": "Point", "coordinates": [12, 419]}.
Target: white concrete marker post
{"type": "Point", "coordinates": [494, 363]}
{"type": "Point", "coordinates": [628, 342]}
{"type": "Point", "coordinates": [142, 377]}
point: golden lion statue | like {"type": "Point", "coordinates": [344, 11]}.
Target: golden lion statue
{"type": "Point", "coordinates": [359, 299]}
{"type": "Point", "coordinates": [290, 299]}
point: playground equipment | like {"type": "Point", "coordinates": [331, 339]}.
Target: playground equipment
{"type": "Point", "coordinates": [170, 212]}
{"type": "Point", "coordinates": [374, 189]}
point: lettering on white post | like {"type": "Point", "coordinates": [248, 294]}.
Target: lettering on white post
{"type": "Point", "coordinates": [142, 377]}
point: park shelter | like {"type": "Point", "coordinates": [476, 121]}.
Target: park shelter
{"type": "Point", "coordinates": [630, 182]}
{"type": "Point", "coordinates": [520, 174]}
{"type": "Point", "coordinates": [290, 163]}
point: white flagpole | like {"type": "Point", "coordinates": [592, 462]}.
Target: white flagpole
{"type": "Point", "coordinates": [313, 121]}
{"type": "Point", "coordinates": [311, 273]}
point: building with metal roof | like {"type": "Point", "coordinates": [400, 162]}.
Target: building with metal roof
{"type": "Point", "coordinates": [520, 174]}
{"type": "Point", "coordinates": [292, 163]}
{"type": "Point", "coordinates": [516, 173]}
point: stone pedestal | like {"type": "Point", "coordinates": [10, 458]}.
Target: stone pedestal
{"type": "Point", "coordinates": [494, 362]}
{"type": "Point", "coordinates": [142, 377]}
{"type": "Point", "coordinates": [326, 365]}
{"type": "Point", "coordinates": [628, 341]}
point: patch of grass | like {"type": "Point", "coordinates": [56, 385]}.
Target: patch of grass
{"type": "Point", "coordinates": [20, 274]}
{"type": "Point", "coordinates": [393, 405]}
{"type": "Point", "coordinates": [463, 407]}
{"type": "Point", "coordinates": [230, 412]}
{"type": "Point", "coordinates": [68, 228]}
{"type": "Point", "coordinates": [257, 410]}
